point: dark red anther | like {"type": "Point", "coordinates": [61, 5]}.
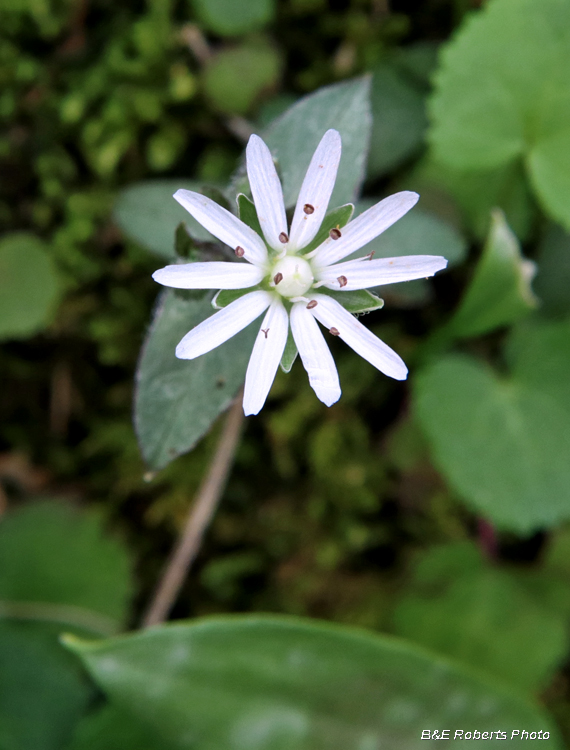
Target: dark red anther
{"type": "Point", "coordinates": [335, 234]}
{"type": "Point", "coordinates": [312, 303]}
{"type": "Point", "coordinates": [334, 331]}
{"type": "Point", "coordinates": [308, 209]}
{"type": "Point", "coordinates": [343, 281]}
{"type": "Point", "coordinates": [239, 251]}
{"type": "Point", "coordinates": [283, 238]}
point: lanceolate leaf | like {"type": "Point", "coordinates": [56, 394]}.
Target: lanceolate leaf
{"type": "Point", "coordinates": [262, 683]}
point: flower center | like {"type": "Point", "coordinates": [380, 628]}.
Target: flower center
{"type": "Point", "coordinates": [292, 276]}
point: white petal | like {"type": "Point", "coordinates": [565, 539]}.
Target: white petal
{"type": "Point", "coordinates": [222, 325]}
{"type": "Point", "coordinates": [209, 275]}
{"type": "Point", "coordinates": [316, 190]}
{"type": "Point", "coordinates": [365, 227]}
{"type": "Point", "coordinates": [266, 190]}
{"type": "Point", "coordinates": [363, 274]}
{"type": "Point", "coordinates": [333, 315]}
{"type": "Point", "coordinates": [315, 355]}
{"type": "Point", "coordinates": [223, 225]}
{"type": "Point", "coordinates": [265, 357]}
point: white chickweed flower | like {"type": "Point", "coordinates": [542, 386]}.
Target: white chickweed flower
{"type": "Point", "coordinates": [285, 280]}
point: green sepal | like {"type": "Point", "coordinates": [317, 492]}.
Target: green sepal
{"type": "Point", "coordinates": [185, 246]}
{"type": "Point", "coordinates": [338, 217]}
{"type": "Point", "coordinates": [290, 353]}
{"type": "Point", "coordinates": [248, 213]}
{"type": "Point", "coordinates": [358, 301]}
{"type": "Point", "coordinates": [225, 296]}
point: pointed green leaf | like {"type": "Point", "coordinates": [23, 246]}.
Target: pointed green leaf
{"type": "Point", "coordinates": [290, 353]}
{"type": "Point", "coordinates": [148, 214]}
{"type": "Point", "coordinates": [334, 219]}
{"type": "Point", "coordinates": [176, 400]}
{"type": "Point", "coordinates": [499, 293]}
{"type": "Point", "coordinates": [248, 214]}
{"type": "Point", "coordinates": [294, 136]}
{"type": "Point", "coordinates": [357, 301]}
{"type": "Point", "coordinates": [262, 683]}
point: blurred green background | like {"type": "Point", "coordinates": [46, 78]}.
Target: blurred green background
{"type": "Point", "coordinates": [435, 510]}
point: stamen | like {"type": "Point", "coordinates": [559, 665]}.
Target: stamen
{"type": "Point", "coordinates": [265, 331]}
{"type": "Point", "coordinates": [283, 238]}
{"type": "Point", "coordinates": [319, 284]}
{"type": "Point", "coordinates": [334, 331]}
{"type": "Point", "coordinates": [312, 303]}
{"type": "Point", "coordinates": [343, 281]}
{"type": "Point", "coordinates": [277, 278]}
{"type": "Point", "coordinates": [335, 234]}
{"type": "Point", "coordinates": [308, 209]}
{"type": "Point", "coordinates": [239, 251]}
{"type": "Point", "coordinates": [299, 299]}
{"type": "Point", "coordinates": [371, 254]}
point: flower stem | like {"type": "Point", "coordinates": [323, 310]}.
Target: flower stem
{"type": "Point", "coordinates": [199, 518]}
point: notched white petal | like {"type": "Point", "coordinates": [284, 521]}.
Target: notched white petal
{"type": "Point", "coordinates": [267, 192]}
{"type": "Point", "coordinates": [209, 275]}
{"type": "Point", "coordinates": [365, 227]}
{"type": "Point", "coordinates": [315, 354]}
{"type": "Point", "coordinates": [364, 274]}
{"type": "Point", "coordinates": [224, 225]}
{"type": "Point", "coordinates": [222, 325]}
{"type": "Point", "coordinates": [265, 357]}
{"type": "Point", "coordinates": [333, 315]}
{"type": "Point", "coordinates": [316, 190]}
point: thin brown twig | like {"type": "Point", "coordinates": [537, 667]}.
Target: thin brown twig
{"type": "Point", "coordinates": [199, 517]}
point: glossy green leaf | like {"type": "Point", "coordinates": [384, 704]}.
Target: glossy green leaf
{"type": "Point", "coordinates": [28, 286]}
{"type": "Point", "coordinates": [56, 564]}
{"type": "Point", "coordinates": [228, 18]}
{"type": "Point", "coordinates": [269, 683]}
{"type": "Point", "coordinates": [148, 214]}
{"type": "Point", "coordinates": [177, 400]}
{"type": "Point", "coordinates": [552, 283]}
{"type": "Point", "coordinates": [499, 293]}
{"type": "Point", "coordinates": [399, 119]}
{"type": "Point", "coordinates": [518, 103]}
{"type": "Point", "coordinates": [503, 443]}
{"type": "Point", "coordinates": [294, 136]}
{"type": "Point", "coordinates": [460, 606]}
{"type": "Point", "coordinates": [235, 78]}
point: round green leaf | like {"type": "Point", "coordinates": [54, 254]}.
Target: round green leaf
{"type": "Point", "coordinates": [503, 92]}
{"type": "Point", "coordinates": [504, 443]}
{"type": "Point", "coordinates": [236, 77]}
{"type": "Point", "coordinates": [28, 286]}
{"type": "Point", "coordinates": [482, 616]}
{"type": "Point", "coordinates": [228, 18]}
{"type": "Point", "coordinates": [274, 683]}
{"type": "Point", "coordinates": [148, 214]}
{"type": "Point", "coordinates": [56, 564]}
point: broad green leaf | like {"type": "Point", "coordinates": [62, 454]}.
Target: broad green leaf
{"type": "Point", "coordinates": [517, 105]}
{"type": "Point", "coordinates": [294, 136]}
{"type": "Point", "coordinates": [399, 119]}
{"type": "Point", "coordinates": [499, 293]}
{"type": "Point", "coordinates": [503, 443]}
{"type": "Point", "coordinates": [114, 728]}
{"type": "Point", "coordinates": [43, 692]}
{"type": "Point", "coordinates": [228, 18]}
{"type": "Point", "coordinates": [58, 571]}
{"type": "Point", "coordinates": [274, 683]}
{"type": "Point", "coordinates": [176, 400]}
{"type": "Point", "coordinates": [148, 214]}
{"type": "Point", "coordinates": [460, 606]}
{"type": "Point", "coordinates": [235, 78]}
{"type": "Point", "coordinates": [28, 286]}
{"type": "Point", "coordinates": [552, 283]}
{"type": "Point", "coordinates": [56, 564]}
